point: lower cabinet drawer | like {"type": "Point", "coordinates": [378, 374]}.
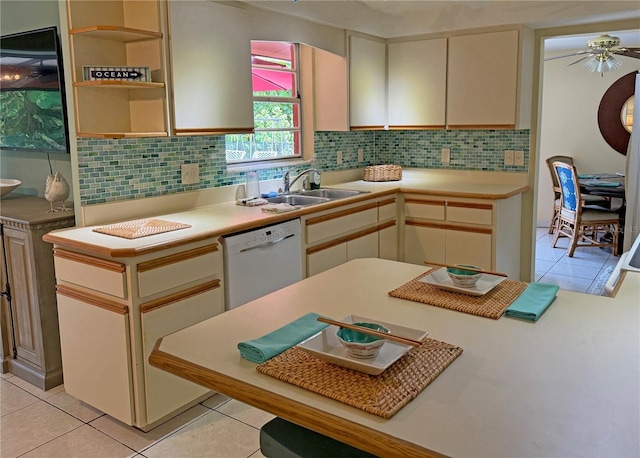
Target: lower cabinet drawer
{"type": "Point", "coordinates": [171, 271]}
{"type": "Point", "coordinates": [469, 212]}
{"type": "Point", "coordinates": [328, 226]}
{"type": "Point", "coordinates": [166, 392]}
{"type": "Point", "coordinates": [96, 354]}
{"type": "Point", "coordinates": [97, 274]}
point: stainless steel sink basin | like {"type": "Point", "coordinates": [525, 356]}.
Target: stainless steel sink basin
{"type": "Point", "coordinates": [296, 199]}
{"type": "Point", "coordinates": [332, 193]}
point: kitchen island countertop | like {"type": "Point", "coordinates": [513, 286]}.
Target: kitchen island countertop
{"type": "Point", "coordinates": [566, 385]}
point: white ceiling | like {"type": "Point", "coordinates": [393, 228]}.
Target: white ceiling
{"type": "Point", "coordinates": [396, 18]}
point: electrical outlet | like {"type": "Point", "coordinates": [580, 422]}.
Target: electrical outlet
{"type": "Point", "coordinates": [339, 158]}
{"type": "Point", "coordinates": [508, 157]}
{"type": "Point", "coordinates": [190, 174]}
{"type": "Point", "coordinates": [445, 155]}
{"type": "Point", "coordinates": [360, 155]}
{"type": "Point", "coordinates": [518, 158]}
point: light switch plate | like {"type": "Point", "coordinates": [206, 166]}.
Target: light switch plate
{"type": "Point", "coordinates": [518, 158]}
{"type": "Point", "coordinates": [508, 157]}
{"type": "Point", "coordinates": [445, 155]}
{"type": "Point", "coordinates": [339, 157]}
{"type": "Point", "coordinates": [360, 155]}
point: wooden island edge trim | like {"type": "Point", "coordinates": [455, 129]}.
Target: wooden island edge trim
{"type": "Point", "coordinates": [333, 426]}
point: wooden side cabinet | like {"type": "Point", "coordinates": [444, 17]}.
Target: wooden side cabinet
{"type": "Point", "coordinates": [29, 313]}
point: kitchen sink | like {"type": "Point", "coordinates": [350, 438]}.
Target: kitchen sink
{"type": "Point", "coordinates": [295, 199]}
{"type": "Point", "coordinates": [332, 193]}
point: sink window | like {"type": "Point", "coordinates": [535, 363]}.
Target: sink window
{"type": "Point", "coordinates": [276, 106]}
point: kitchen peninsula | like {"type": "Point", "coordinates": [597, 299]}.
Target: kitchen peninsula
{"type": "Point", "coordinates": [566, 385]}
{"type": "Point", "coordinates": [117, 296]}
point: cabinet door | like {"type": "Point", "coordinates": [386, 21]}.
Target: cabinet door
{"type": "Point", "coordinates": [423, 242]}
{"type": "Point", "coordinates": [166, 392]}
{"type": "Point", "coordinates": [417, 73]}
{"type": "Point", "coordinates": [24, 298]}
{"type": "Point", "coordinates": [482, 80]}
{"type": "Point", "coordinates": [468, 247]}
{"type": "Point", "coordinates": [330, 91]}
{"type": "Point", "coordinates": [367, 83]}
{"type": "Point", "coordinates": [96, 352]}
{"type": "Point", "coordinates": [211, 68]}
{"type": "Point", "coordinates": [363, 246]}
{"type": "Point", "coordinates": [388, 242]}
{"type": "Point", "coordinates": [326, 256]}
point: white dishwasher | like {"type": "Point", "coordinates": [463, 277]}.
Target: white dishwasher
{"type": "Point", "coordinates": [260, 261]}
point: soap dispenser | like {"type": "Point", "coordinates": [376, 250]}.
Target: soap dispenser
{"type": "Point", "coordinates": [314, 179]}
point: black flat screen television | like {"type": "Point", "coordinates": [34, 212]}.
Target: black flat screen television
{"type": "Point", "coordinates": [33, 112]}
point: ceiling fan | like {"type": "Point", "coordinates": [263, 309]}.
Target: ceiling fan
{"type": "Point", "coordinates": [600, 55]}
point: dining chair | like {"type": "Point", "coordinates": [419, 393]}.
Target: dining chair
{"type": "Point", "coordinates": [584, 226]}
{"type": "Point", "coordinates": [589, 199]}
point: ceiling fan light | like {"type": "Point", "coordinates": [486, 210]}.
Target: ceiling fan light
{"type": "Point", "coordinates": [602, 63]}
{"type": "Point", "coordinates": [612, 63]}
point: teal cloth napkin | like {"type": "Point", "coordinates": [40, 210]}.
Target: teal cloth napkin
{"type": "Point", "coordinates": [533, 301]}
{"type": "Point", "coordinates": [613, 184]}
{"type": "Point", "coordinates": [586, 176]}
{"type": "Point", "coordinates": [272, 344]}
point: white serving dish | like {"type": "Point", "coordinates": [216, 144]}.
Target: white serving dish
{"type": "Point", "coordinates": [325, 345]}
{"type": "Point", "coordinates": [440, 279]}
{"type": "Point", "coordinates": [7, 185]}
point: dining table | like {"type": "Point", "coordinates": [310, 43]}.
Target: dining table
{"type": "Point", "coordinates": [612, 186]}
{"type": "Point", "coordinates": [564, 385]}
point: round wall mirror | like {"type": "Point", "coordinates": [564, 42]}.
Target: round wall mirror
{"type": "Point", "coordinates": [615, 106]}
{"type": "Point", "coordinates": [626, 116]}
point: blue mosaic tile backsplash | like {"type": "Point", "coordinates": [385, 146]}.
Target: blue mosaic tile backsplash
{"type": "Point", "coordinates": [123, 169]}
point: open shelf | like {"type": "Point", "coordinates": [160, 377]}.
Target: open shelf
{"type": "Point", "coordinates": [116, 33]}
{"type": "Point", "coordinates": [120, 84]}
{"type": "Point", "coordinates": [120, 134]}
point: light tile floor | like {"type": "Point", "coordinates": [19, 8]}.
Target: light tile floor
{"type": "Point", "coordinates": [52, 424]}
{"type": "Point", "coordinates": [586, 272]}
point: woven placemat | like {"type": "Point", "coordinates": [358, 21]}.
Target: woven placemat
{"type": "Point", "coordinates": [140, 228]}
{"type": "Point", "coordinates": [382, 394]}
{"type": "Point", "coordinates": [490, 305]}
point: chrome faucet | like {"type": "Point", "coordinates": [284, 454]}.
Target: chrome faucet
{"type": "Point", "coordinates": [287, 184]}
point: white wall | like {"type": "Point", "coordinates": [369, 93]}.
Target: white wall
{"type": "Point", "coordinates": [30, 168]}
{"type": "Point", "coordinates": [569, 123]}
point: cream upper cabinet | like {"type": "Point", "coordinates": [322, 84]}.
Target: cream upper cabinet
{"type": "Point", "coordinates": [112, 34]}
{"type": "Point", "coordinates": [367, 83]}
{"type": "Point", "coordinates": [417, 79]}
{"type": "Point", "coordinates": [482, 83]}
{"type": "Point", "coordinates": [330, 91]}
{"type": "Point", "coordinates": [210, 54]}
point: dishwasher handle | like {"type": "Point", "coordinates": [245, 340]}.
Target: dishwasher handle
{"type": "Point", "coordinates": [273, 242]}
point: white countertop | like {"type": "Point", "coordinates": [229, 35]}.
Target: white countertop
{"type": "Point", "coordinates": [227, 217]}
{"type": "Point", "coordinates": [567, 385]}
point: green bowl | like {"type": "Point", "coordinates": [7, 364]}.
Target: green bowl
{"type": "Point", "coordinates": [360, 345]}
{"type": "Point", "coordinates": [464, 278]}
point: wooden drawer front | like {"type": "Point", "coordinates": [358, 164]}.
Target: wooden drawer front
{"type": "Point", "coordinates": [331, 225]}
{"type": "Point", "coordinates": [171, 271]}
{"type": "Point", "coordinates": [166, 392]}
{"type": "Point", "coordinates": [98, 274]}
{"type": "Point", "coordinates": [387, 209]}
{"type": "Point", "coordinates": [424, 209]}
{"type": "Point", "coordinates": [96, 357]}
{"type": "Point", "coordinates": [469, 212]}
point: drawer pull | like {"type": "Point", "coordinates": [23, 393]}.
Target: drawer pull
{"type": "Point", "coordinates": [91, 299]}
{"type": "Point", "coordinates": [180, 295]}
{"type": "Point", "coordinates": [89, 260]}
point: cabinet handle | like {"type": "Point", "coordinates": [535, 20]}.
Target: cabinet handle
{"type": "Point", "coordinates": [90, 260]}
{"type": "Point", "coordinates": [178, 257]}
{"type": "Point", "coordinates": [179, 296]}
{"type": "Point", "coordinates": [91, 299]}
{"type": "Point", "coordinates": [339, 214]}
